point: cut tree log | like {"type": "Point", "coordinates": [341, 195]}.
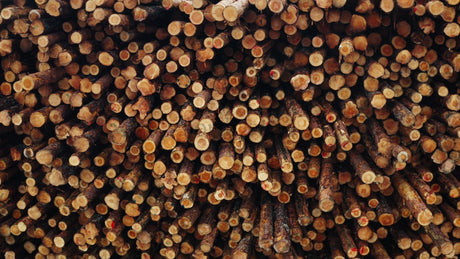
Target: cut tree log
{"type": "Point", "coordinates": [191, 128]}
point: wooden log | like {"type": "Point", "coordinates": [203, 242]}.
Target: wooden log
{"type": "Point", "coordinates": [348, 245]}
{"type": "Point", "coordinates": [226, 135]}
{"type": "Point", "coordinates": [413, 201]}
{"type": "Point", "coordinates": [421, 187]}
{"type": "Point", "coordinates": [326, 200]}
{"type": "Point", "coordinates": [440, 239]}
{"type": "Point", "coordinates": [120, 135]}
{"type": "Point", "coordinates": [403, 115]}
{"type": "Point", "coordinates": [243, 248]}
{"type": "Point", "coordinates": [363, 170]}
{"type": "Point", "coordinates": [299, 117]}
{"type": "Point", "coordinates": [266, 223]}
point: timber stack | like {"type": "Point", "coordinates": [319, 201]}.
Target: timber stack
{"type": "Point", "coordinates": [230, 128]}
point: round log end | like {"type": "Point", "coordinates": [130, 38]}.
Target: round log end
{"type": "Point", "coordinates": [226, 162]}
{"type": "Point", "coordinates": [326, 205]}
{"type": "Point", "coordinates": [301, 123]}
{"type": "Point", "coordinates": [282, 246]}
{"type": "Point", "coordinates": [44, 157]}
{"type": "Point", "coordinates": [386, 219]}
{"type": "Point", "coordinates": [368, 177]}
{"type": "Point", "coordinates": [105, 59]}
{"type": "Point", "coordinates": [425, 217]}
{"type": "Point", "coordinates": [230, 13]}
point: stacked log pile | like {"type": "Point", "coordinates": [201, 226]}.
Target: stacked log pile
{"type": "Point", "coordinates": [231, 128]}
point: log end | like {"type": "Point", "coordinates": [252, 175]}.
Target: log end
{"type": "Point", "coordinates": [301, 123]}
{"type": "Point", "coordinates": [230, 13]}
{"type": "Point", "coordinates": [326, 205]}
{"type": "Point", "coordinates": [425, 217]}
{"type": "Point", "coordinates": [53, 8]}
{"type": "Point", "coordinates": [276, 6]}
{"type": "Point", "coordinates": [282, 246]}
{"type": "Point", "coordinates": [168, 143]}
{"type": "Point", "coordinates": [386, 219]}
{"type": "Point", "coordinates": [368, 177]}
{"type": "Point", "coordinates": [226, 162]}
{"type": "Point", "coordinates": [300, 82]}
{"type": "Point", "coordinates": [44, 157]}
{"type": "Point", "coordinates": [28, 83]}
{"type": "Point", "coordinates": [405, 3]}
{"type": "Point", "coordinates": [105, 59]}
{"type": "Point", "coordinates": [352, 252]}
{"type": "Point", "coordinates": [196, 17]}
{"type": "Point", "coordinates": [117, 137]}
{"type": "Point", "coordinates": [447, 248]}
{"type": "Point", "coordinates": [217, 12]}
{"type": "Point", "coordinates": [81, 144]}
{"type": "Point", "coordinates": [114, 19]}
{"type": "Point", "coordinates": [240, 255]}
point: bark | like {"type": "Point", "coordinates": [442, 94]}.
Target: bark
{"type": "Point", "coordinates": [413, 201]}
{"type": "Point", "coordinates": [282, 238]}
{"type": "Point", "coordinates": [325, 198]}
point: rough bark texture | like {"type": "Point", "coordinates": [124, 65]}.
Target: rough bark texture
{"type": "Point", "coordinates": [229, 129]}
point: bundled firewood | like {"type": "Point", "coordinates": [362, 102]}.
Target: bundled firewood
{"type": "Point", "coordinates": [229, 129]}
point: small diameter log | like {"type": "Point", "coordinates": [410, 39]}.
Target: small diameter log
{"type": "Point", "coordinates": [384, 145]}
{"type": "Point", "coordinates": [298, 115]}
{"type": "Point", "coordinates": [88, 139]}
{"type": "Point", "coordinates": [403, 114]}
{"type": "Point", "coordinates": [378, 250]}
{"type": "Point", "coordinates": [244, 248]}
{"type": "Point", "coordinates": [122, 133]}
{"type": "Point", "coordinates": [452, 214]}
{"type": "Point", "coordinates": [188, 219]}
{"type": "Point", "coordinates": [87, 113]}
{"type": "Point", "coordinates": [233, 11]}
{"type": "Point", "coordinates": [384, 212]}
{"type": "Point", "coordinates": [40, 117]}
{"type": "Point", "coordinates": [449, 185]}
{"type": "Point", "coordinates": [303, 213]}
{"type": "Point", "coordinates": [184, 177]}
{"type": "Point", "coordinates": [422, 187]}
{"type": "Point", "coordinates": [282, 238]}
{"type": "Point", "coordinates": [207, 221]}
{"type": "Point", "coordinates": [284, 158]}
{"type": "Point", "coordinates": [226, 156]}
{"type": "Point", "coordinates": [266, 222]}
{"type": "Point", "coordinates": [153, 141]}
{"type": "Point", "coordinates": [362, 168]}
{"type": "Point", "coordinates": [342, 136]}
{"type": "Point", "coordinates": [208, 241]}
{"type": "Point", "coordinates": [325, 193]}
{"type": "Point", "coordinates": [348, 245]}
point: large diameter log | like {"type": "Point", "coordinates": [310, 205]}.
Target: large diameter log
{"type": "Point", "coordinates": [46, 155]}
{"type": "Point", "coordinates": [440, 239]}
{"type": "Point", "coordinates": [413, 201]}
